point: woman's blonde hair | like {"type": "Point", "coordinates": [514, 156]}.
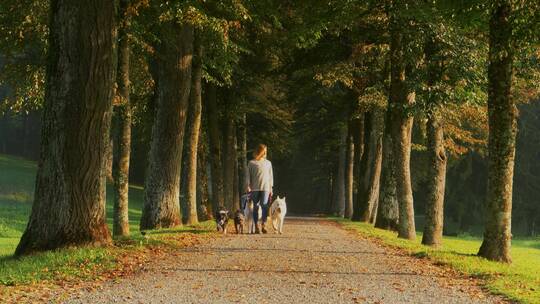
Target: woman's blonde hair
{"type": "Point", "coordinates": [259, 151]}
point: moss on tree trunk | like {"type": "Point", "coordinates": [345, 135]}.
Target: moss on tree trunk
{"type": "Point", "coordinates": [433, 227]}
{"type": "Point", "coordinates": [388, 210]}
{"type": "Point", "coordinates": [502, 137]}
{"type": "Point", "coordinates": [122, 128]}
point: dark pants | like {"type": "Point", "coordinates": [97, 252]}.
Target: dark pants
{"type": "Point", "coordinates": [260, 198]}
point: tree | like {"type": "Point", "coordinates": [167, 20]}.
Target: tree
{"type": "Point", "coordinates": [339, 180]}
{"type": "Point", "coordinates": [433, 228]}
{"type": "Point", "coordinates": [193, 146]}
{"type": "Point", "coordinates": [502, 136]}
{"type": "Point", "coordinates": [69, 207]}
{"type": "Point", "coordinates": [205, 210]}
{"type": "Point", "coordinates": [122, 127]}
{"type": "Point", "coordinates": [349, 171]}
{"type": "Point", "coordinates": [174, 52]}
{"type": "Point", "coordinates": [214, 145]}
{"type": "Point", "coordinates": [369, 181]}
{"type": "Point", "coordinates": [229, 155]}
{"type": "Point", "coordinates": [388, 211]}
{"type": "Point", "coordinates": [359, 145]}
{"type": "Point", "coordinates": [402, 121]}
{"type": "Point", "coordinates": [242, 157]}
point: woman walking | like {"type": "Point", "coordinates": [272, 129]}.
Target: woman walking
{"type": "Point", "coordinates": [260, 182]}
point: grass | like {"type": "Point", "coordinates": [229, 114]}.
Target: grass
{"type": "Point", "coordinates": [16, 190]}
{"type": "Point", "coordinates": [519, 281]}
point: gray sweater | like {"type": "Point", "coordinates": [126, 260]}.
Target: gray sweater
{"type": "Point", "coordinates": [260, 176]}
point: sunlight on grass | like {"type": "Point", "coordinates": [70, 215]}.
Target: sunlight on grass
{"type": "Point", "coordinates": [16, 191]}
{"type": "Point", "coordinates": [61, 264]}
{"type": "Point", "coordinates": [16, 195]}
{"type": "Point", "coordinates": [519, 281]}
{"type": "Point", "coordinates": [87, 263]}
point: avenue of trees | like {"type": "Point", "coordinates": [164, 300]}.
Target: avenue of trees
{"type": "Point", "coordinates": [372, 110]}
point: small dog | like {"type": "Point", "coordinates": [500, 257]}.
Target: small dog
{"type": "Point", "coordinates": [239, 222]}
{"type": "Point", "coordinates": [222, 219]}
{"type": "Point", "coordinates": [277, 213]}
{"type": "Point", "coordinates": [248, 215]}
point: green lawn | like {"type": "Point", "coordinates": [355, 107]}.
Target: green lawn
{"type": "Point", "coordinates": [16, 190]}
{"type": "Point", "coordinates": [519, 281]}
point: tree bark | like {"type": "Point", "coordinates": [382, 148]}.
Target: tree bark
{"type": "Point", "coordinates": [349, 170]}
{"type": "Point", "coordinates": [109, 159]}
{"type": "Point", "coordinates": [331, 190]}
{"type": "Point", "coordinates": [69, 200]}
{"type": "Point", "coordinates": [162, 185]}
{"type": "Point", "coordinates": [358, 137]}
{"type": "Point", "coordinates": [400, 99]}
{"type": "Point", "coordinates": [196, 114]}
{"type": "Point", "coordinates": [368, 184]}
{"type": "Point", "coordinates": [122, 128]}
{"type": "Point", "coordinates": [236, 182]}
{"type": "Point", "coordinates": [388, 210]}
{"type": "Point", "coordinates": [339, 180]}
{"type": "Point", "coordinates": [215, 146]}
{"type": "Point", "coordinates": [433, 227]}
{"type": "Point", "coordinates": [205, 210]}
{"type": "Point", "coordinates": [242, 158]}
{"type": "Point", "coordinates": [229, 162]}
{"type": "Point", "coordinates": [502, 137]}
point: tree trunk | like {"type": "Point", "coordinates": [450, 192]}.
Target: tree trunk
{"type": "Point", "coordinates": [402, 121]}
{"type": "Point", "coordinates": [215, 146]}
{"type": "Point", "coordinates": [236, 183]}
{"type": "Point", "coordinates": [388, 210]}
{"type": "Point", "coordinates": [242, 158]}
{"type": "Point", "coordinates": [229, 163]}
{"type": "Point", "coordinates": [358, 136]}
{"type": "Point", "coordinates": [502, 137]}
{"type": "Point", "coordinates": [109, 159]}
{"type": "Point", "coordinates": [205, 210]}
{"type": "Point", "coordinates": [339, 181]}
{"type": "Point", "coordinates": [375, 207]}
{"type": "Point", "coordinates": [122, 128]}
{"type": "Point", "coordinates": [433, 227]}
{"type": "Point", "coordinates": [162, 185]}
{"type": "Point", "coordinates": [69, 201]}
{"type": "Point", "coordinates": [368, 184]}
{"type": "Point", "coordinates": [331, 191]}
{"type": "Point", "coordinates": [349, 170]}
{"type": "Point", "coordinates": [196, 113]}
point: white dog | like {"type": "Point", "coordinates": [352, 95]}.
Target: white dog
{"type": "Point", "coordinates": [277, 213]}
{"type": "Point", "coordinates": [248, 214]}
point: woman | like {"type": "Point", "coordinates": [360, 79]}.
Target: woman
{"type": "Point", "coordinates": [260, 179]}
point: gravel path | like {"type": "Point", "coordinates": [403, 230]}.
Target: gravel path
{"type": "Point", "coordinates": [314, 261]}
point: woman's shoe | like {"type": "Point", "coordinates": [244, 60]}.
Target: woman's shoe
{"type": "Point", "coordinates": [257, 229]}
{"type": "Point", "coordinates": [264, 228]}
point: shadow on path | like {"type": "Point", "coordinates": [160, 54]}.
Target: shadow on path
{"type": "Point", "coordinates": [244, 249]}
{"type": "Point", "coordinates": [292, 271]}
